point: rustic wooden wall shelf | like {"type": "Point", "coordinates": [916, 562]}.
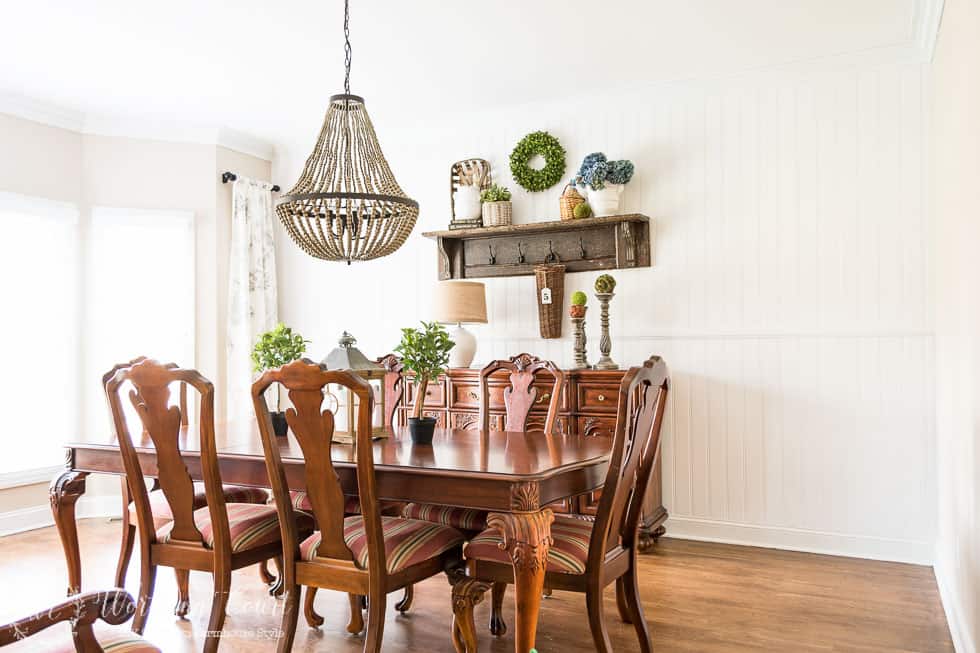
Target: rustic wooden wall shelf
{"type": "Point", "coordinates": [609, 243]}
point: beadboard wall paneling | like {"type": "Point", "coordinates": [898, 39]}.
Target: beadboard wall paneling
{"type": "Point", "coordinates": [789, 292]}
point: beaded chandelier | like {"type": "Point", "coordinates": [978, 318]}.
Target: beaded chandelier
{"type": "Point", "coordinates": [347, 205]}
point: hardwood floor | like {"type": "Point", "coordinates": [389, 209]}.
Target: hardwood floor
{"type": "Point", "coordinates": [698, 597]}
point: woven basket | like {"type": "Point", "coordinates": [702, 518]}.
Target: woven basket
{"type": "Point", "coordinates": [497, 214]}
{"type": "Point", "coordinates": [551, 287]}
{"type": "Point", "coordinates": [568, 201]}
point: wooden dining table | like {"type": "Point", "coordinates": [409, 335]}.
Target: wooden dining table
{"type": "Point", "coordinates": [514, 474]}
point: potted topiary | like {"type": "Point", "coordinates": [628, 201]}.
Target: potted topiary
{"type": "Point", "coordinates": [425, 352]}
{"type": "Point", "coordinates": [274, 349]}
{"type": "Point", "coordinates": [577, 308]}
{"type": "Point", "coordinates": [497, 210]}
{"type": "Point", "coordinates": [602, 181]}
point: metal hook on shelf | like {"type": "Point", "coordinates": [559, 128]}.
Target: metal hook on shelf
{"type": "Point", "coordinates": [493, 255]}
{"type": "Point", "coordinates": [520, 253]}
{"type": "Point", "coordinates": [581, 247]}
{"type": "Point", "coordinates": [551, 257]}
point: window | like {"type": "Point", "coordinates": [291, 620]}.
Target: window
{"type": "Point", "coordinates": [39, 330]}
{"type": "Point", "coordinates": [80, 296]}
{"type": "Point", "coordinates": [140, 296]}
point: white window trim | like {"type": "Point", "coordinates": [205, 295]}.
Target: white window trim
{"type": "Point", "coordinates": [147, 216]}
{"type": "Point", "coordinates": [39, 206]}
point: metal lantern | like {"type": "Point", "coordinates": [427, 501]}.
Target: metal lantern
{"type": "Point", "coordinates": [348, 357]}
{"type": "Point", "coordinates": [347, 205]}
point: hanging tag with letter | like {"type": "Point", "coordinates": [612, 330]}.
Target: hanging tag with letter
{"type": "Point", "coordinates": [546, 295]}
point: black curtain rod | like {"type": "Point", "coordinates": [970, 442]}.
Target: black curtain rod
{"type": "Point", "coordinates": [231, 176]}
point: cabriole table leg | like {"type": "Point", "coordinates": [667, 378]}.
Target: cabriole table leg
{"type": "Point", "coordinates": [527, 539]}
{"type": "Point", "coordinates": [63, 495]}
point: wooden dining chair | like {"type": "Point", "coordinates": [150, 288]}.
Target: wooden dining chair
{"type": "Point", "coordinates": [519, 397]}
{"type": "Point", "coordinates": [219, 537]}
{"type": "Point", "coordinates": [587, 556]}
{"type": "Point", "coordinates": [364, 555]}
{"type": "Point", "coordinates": [83, 612]}
{"type": "Point", "coordinates": [161, 509]}
{"type": "Point", "coordinates": [392, 386]}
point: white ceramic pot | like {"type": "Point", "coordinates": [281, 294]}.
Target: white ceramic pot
{"type": "Point", "coordinates": [605, 201]}
{"type": "Point", "coordinates": [467, 203]}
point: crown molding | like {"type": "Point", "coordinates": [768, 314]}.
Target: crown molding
{"type": "Point", "coordinates": [46, 113]}
{"type": "Point", "coordinates": [245, 143]}
{"type": "Point", "coordinates": [927, 18]}
{"type": "Point", "coordinates": [127, 127]}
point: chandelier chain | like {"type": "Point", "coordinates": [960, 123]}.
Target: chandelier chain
{"type": "Point", "coordinates": [347, 49]}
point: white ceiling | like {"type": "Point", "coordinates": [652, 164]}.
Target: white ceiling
{"type": "Point", "coordinates": [267, 68]}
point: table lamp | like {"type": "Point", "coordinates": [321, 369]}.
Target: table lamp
{"type": "Point", "coordinates": [458, 303]}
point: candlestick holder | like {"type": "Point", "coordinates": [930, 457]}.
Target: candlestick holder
{"type": "Point", "coordinates": [605, 343]}
{"type": "Point", "coordinates": [578, 324]}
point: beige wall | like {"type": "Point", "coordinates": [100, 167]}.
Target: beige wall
{"type": "Point", "coordinates": [110, 171]}
{"type": "Point", "coordinates": [956, 211]}
{"type": "Point", "coordinates": [39, 160]}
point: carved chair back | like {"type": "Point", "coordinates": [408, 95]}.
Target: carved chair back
{"type": "Point", "coordinates": [163, 424]}
{"type": "Point", "coordinates": [313, 428]}
{"type": "Point", "coordinates": [636, 445]}
{"type": "Point", "coordinates": [520, 395]}
{"type": "Point", "coordinates": [182, 397]}
{"type": "Point", "coordinates": [394, 386]}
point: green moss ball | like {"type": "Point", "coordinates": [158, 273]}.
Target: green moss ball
{"type": "Point", "coordinates": [582, 210]}
{"type": "Point", "coordinates": [578, 298]}
{"type": "Point", "coordinates": [605, 283]}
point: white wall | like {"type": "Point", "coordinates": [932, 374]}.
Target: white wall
{"type": "Point", "coordinates": [113, 171]}
{"type": "Point", "coordinates": [956, 202]}
{"type": "Point", "coordinates": [790, 289]}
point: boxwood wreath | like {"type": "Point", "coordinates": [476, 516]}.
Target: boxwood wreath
{"type": "Point", "coordinates": [548, 147]}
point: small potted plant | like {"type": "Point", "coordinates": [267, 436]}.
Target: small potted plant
{"type": "Point", "coordinates": [497, 210]}
{"type": "Point", "coordinates": [602, 182]}
{"type": "Point", "coordinates": [274, 349]}
{"type": "Point", "coordinates": [577, 308]}
{"type": "Point", "coordinates": [425, 352]}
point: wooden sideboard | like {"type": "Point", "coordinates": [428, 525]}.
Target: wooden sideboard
{"type": "Point", "coordinates": [588, 406]}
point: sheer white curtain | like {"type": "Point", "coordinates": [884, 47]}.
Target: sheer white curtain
{"type": "Point", "coordinates": [251, 287]}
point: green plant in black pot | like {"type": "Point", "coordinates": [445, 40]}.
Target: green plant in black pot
{"type": "Point", "coordinates": [274, 349]}
{"type": "Point", "coordinates": [425, 352]}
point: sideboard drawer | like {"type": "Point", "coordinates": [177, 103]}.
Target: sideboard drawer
{"type": "Point", "coordinates": [435, 394]}
{"type": "Point", "coordinates": [597, 397]}
{"type": "Point", "coordinates": [595, 426]}
{"type": "Point", "coordinates": [466, 395]}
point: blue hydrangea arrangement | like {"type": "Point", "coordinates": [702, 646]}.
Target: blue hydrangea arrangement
{"type": "Point", "coordinates": [596, 170]}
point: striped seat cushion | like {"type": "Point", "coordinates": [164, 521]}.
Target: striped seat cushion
{"type": "Point", "coordinates": [251, 525]}
{"type": "Point", "coordinates": [407, 541]}
{"type": "Point", "coordinates": [568, 555]}
{"type": "Point", "coordinates": [465, 519]}
{"type": "Point", "coordinates": [115, 640]}
{"type": "Point", "coordinates": [162, 514]}
{"type": "Point", "coordinates": [352, 505]}
{"type": "Point", "coordinates": [301, 501]}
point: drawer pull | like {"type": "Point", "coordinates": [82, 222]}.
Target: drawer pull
{"type": "Point", "coordinates": [545, 397]}
{"type": "Point", "coordinates": [601, 397]}
{"type": "Point", "coordinates": [473, 395]}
